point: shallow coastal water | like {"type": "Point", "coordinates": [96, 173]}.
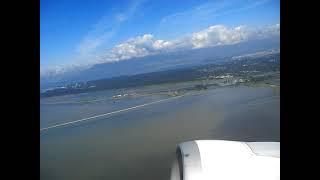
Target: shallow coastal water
{"type": "Point", "coordinates": [140, 143]}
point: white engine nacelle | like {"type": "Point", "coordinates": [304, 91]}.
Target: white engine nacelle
{"type": "Point", "coordinates": [226, 160]}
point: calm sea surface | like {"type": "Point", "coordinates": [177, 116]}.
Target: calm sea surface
{"type": "Point", "coordinates": [140, 143]}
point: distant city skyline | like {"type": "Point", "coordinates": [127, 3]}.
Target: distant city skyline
{"type": "Point", "coordinates": [83, 33]}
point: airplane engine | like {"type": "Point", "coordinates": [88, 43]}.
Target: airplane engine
{"type": "Point", "coordinates": [226, 160]}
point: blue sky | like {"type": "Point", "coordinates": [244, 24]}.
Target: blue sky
{"type": "Point", "coordinates": [74, 31]}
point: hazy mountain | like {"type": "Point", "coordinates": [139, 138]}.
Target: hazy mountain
{"type": "Point", "coordinates": [164, 61]}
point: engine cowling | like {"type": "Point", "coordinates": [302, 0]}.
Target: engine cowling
{"type": "Point", "coordinates": [226, 160]}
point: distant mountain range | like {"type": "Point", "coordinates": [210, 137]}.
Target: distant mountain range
{"type": "Point", "coordinates": [244, 68]}
{"type": "Point", "coordinates": [161, 62]}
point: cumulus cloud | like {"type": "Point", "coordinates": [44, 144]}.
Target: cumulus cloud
{"type": "Point", "coordinates": [147, 44]}
{"type": "Point", "coordinates": [273, 30]}
{"type": "Point", "coordinates": [219, 35]}
{"type": "Point", "coordinates": [216, 35]}
{"type": "Point", "coordinates": [137, 47]}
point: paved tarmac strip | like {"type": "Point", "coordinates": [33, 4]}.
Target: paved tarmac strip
{"type": "Point", "coordinates": [106, 114]}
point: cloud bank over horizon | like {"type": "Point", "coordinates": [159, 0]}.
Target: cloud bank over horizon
{"type": "Point", "coordinates": [147, 44]}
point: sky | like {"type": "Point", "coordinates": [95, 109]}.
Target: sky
{"type": "Point", "coordinates": [81, 33]}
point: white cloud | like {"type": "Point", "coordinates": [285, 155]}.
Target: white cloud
{"type": "Point", "coordinates": [137, 47]}
{"type": "Point", "coordinates": [162, 44]}
{"type": "Point", "coordinates": [271, 30]}
{"type": "Point", "coordinates": [217, 35]}
{"type": "Point", "coordinates": [147, 44]}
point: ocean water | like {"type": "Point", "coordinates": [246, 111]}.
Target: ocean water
{"type": "Point", "coordinates": [140, 143]}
